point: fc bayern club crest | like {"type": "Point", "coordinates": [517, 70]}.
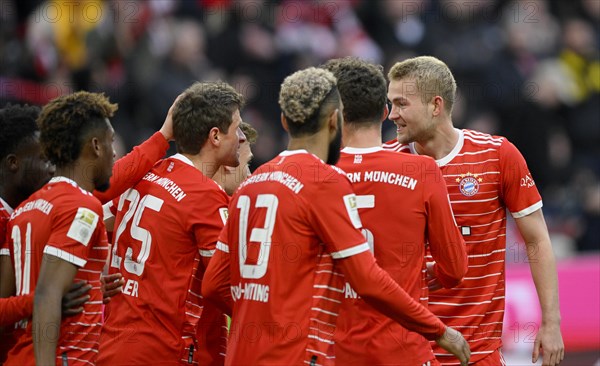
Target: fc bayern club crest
{"type": "Point", "coordinates": [469, 184]}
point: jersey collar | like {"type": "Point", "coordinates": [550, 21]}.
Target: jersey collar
{"type": "Point", "coordinates": [183, 158]}
{"type": "Point", "coordinates": [448, 158]}
{"type": "Point", "coordinates": [293, 152]}
{"type": "Point", "coordinates": [361, 150]}
{"type": "Point", "coordinates": [6, 206]}
{"type": "Point", "coordinates": [60, 179]}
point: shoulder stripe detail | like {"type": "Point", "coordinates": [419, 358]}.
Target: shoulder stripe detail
{"type": "Point", "coordinates": [476, 152]}
{"type": "Point", "coordinates": [4, 251]}
{"type": "Point", "coordinates": [473, 163]}
{"type": "Point", "coordinates": [66, 256]}
{"type": "Point", "coordinates": [529, 210]}
{"type": "Point", "coordinates": [350, 251]}
{"type": "Point", "coordinates": [223, 247]}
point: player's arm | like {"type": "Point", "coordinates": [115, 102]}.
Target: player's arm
{"type": "Point", "coordinates": [7, 277]}
{"type": "Point", "coordinates": [56, 275]}
{"type": "Point", "coordinates": [523, 200]}
{"type": "Point", "coordinates": [379, 290]}
{"type": "Point", "coordinates": [446, 243]}
{"type": "Point", "coordinates": [543, 270]}
{"type": "Point", "coordinates": [216, 282]}
{"type": "Point", "coordinates": [15, 308]}
{"type": "Point", "coordinates": [132, 167]}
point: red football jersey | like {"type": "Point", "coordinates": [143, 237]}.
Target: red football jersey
{"type": "Point", "coordinates": [403, 204]}
{"type": "Point", "coordinates": [485, 176]}
{"type": "Point", "coordinates": [7, 336]}
{"type": "Point", "coordinates": [63, 220]}
{"type": "Point", "coordinates": [165, 224]}
{"type": "Point", "coordinates": [285, 281]}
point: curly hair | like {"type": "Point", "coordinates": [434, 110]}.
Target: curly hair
{"type": "Point", "coordinates": [66, 121]}
{"type": "Point", "coordinates": [203, 106]}
{"type": "Point", "coordinates": [431, 75]}
{"type": "Point", "coordinates": [250, 132]}
{"type": "Point", "coordinates": [17, 125]}
{"type": "Point", "coordinates": [304, 97]}
{"type": "Point", "coordinates": [362, 86]}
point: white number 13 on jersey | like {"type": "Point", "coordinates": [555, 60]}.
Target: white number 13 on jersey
{"type": "Point", "coordinates": [261, 235]}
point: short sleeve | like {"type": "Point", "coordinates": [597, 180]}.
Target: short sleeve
{"type": "Point", "coordinates": [75, 229]}
{"type": "Point", "coordinates": [207, 220]}
{"type": "Point", "coordinates": [519, 192]}
{"type": "Point", "coordinates": [336, 218]}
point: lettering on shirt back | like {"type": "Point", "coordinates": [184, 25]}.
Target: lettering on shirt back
{"type": "Point", "coordinates": [167, 184]}
{"type": "Point", "coordinates": [40, 204]}
{"type": "Point", "coordinates": [379, 176]}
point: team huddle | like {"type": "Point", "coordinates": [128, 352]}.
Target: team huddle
{"type": "Point", "coordinates": [340, 250]}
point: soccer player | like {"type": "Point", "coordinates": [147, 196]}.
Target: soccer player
{"type": "Point", "coordinates": [23, 170]}
{"type": "Point", "coordinates": [57, 235]}
{"type": "Point", "coordinates": [167, 227]}
{"type": "Point", "coordinates": [231, 177]}
{"type": "Point", "coordinates": [293, 238]}
{"type": "Point", "coordinates": [403, 204]}
{"type": "Point", "coordinates": [485, 176]}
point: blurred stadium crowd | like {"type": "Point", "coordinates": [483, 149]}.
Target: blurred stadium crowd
{"type": "Point", "coordinates": [526, 69]}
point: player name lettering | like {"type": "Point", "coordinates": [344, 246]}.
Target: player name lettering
{"type": "Point", "coordinates": [349, 292]}
{"type": "Point", "coordinates": [250, 291]}
{"type": "Point", "coordinates": [131, 288]}
{"type": "Point", "coordinates": [167, 184]}
{"type": "Point", "coordinates": [39, 204]}
{"type": "Point", "coordinates": [379, 176]}
{"type": "Point", "coordinates": [281, 177]}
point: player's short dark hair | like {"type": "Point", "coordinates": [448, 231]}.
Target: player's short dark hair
{"type": "Point", "coordinates": [362, 86]}
{"type": "Point", "coordinates": [17, 125]}
{"type": "Point", "coordinates": [66, 122]}
{"type": "Point", "coordinates": [202, 107]}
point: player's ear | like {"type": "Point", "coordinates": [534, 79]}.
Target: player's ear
{"type": "Point", "coordinates": [333, 121]}
{"type": "Point", "coordinates": [214, 136]}
{"type": "Point", "coordinates": [386, 112]}
{"type": "Point", "coordinates": [284, 123]}
{"type": "Point", "coordinates": [12, 163]}
{"type": "Point", "coordinates": [96, 146]}
{"type": "Point", "coordinates": [438, 105]}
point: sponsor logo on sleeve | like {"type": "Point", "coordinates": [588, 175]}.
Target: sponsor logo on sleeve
{"type": "Point", "coordinates": [527, 181]}
{"type": "Point", "coordinates": [352, 209]}
{"type": "Point", "coordinates": [83, 225]}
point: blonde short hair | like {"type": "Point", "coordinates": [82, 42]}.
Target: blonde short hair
{"type": "Point", "coordinates": [303, 94]}
{"type": "Point", "coordinates": [431, 75]}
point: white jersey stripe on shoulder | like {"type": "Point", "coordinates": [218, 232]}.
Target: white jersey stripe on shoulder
{"type": "Point", "coordinates": [350, 251]}
{"type": "Point", "coordinates": [482, 142]}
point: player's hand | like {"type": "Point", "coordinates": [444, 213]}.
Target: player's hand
{"type": "Point", "coordinates": [167, 127]}
{"type": "Point", "coordinates": [453, 342]}
{"type": "Point", "coordinates": [433, 282]}
{"type": "Point", "coordinates": [111, 285]}
{"type": "Point", "coordinates": [549, 341]}
{"type": "Point", "coordinates": [72, 301]}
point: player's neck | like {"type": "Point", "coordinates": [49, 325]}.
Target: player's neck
{"type": "Point", "coordinates": [203, 162]}
{"type": "Point", "coordinates": [441, 143]}
{"type": "Point", "coordinates": [316, 144]}
{"type": "Point", "coordinates": [10, 194]}
{"type": "Point", "coordinates": [78, 173]}
{"type": "Point", "coordinates": [361, 137]}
